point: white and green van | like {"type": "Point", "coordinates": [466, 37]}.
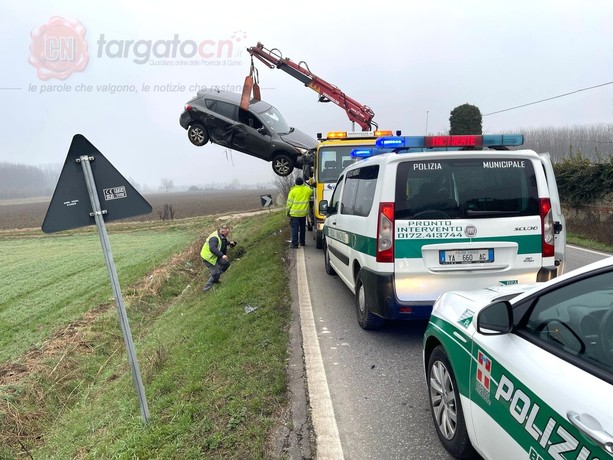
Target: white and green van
{"type": "Point", "coordinates": [441, 213]}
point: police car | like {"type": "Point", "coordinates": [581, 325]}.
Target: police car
{"type": "Point", "coordinates": [416, 216]}
{"type": "Point", "coordinates": [525, 371]}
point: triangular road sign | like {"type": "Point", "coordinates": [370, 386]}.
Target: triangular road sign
{"type": "Point", "coordinates": [70, 205]}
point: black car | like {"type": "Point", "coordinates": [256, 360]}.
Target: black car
{"type": "Point", "coordinates": [214, 115]}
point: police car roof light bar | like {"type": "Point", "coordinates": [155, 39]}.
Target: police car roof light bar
{"type": "Point", "coordinates": [402, 144]}
{"type": "Point", "coordinates": [489, 140]}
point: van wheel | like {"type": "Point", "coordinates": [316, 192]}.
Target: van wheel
{"type": "Point", "coordinates": [329, 269]}
{"type": "Point", "coordinates": [445, 406]}
{"type": "Point", "coordinates": [197, 135]}
{"type": "Point", "coordinates": [366, 319]}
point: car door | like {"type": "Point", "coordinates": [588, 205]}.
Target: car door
{"type": "Point", "coordinates": [548, 385]}
{"type": "Point", "coordinates": [220, 121]}
{"type": "Point", "coordinates": [250, 136]}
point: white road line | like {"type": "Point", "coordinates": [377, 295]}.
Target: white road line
{"type": "Point", "coordinates": [324, 422]}
{"type": "Point", "coordinates": [589, 250]}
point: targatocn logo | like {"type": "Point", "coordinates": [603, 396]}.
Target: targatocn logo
{"type": "Point", "coordinates": [58, 49]}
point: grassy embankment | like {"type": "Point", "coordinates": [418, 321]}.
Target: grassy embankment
{"type": "Point", "coordinates": [582, 241]}
{"type": "Point", "coordinates": [214, 375]}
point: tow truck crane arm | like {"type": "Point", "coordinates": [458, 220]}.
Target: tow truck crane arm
{"type": "Point", "coordinates": [358, 113]}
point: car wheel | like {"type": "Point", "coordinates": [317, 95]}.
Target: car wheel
{"type": "Point", "coordinates": [282, 165]}
{"type": "Point", "coordinates": [445, 406]}
{"type": "Point", "coordinates": [329, 269]}
{"type": "Point", "coordinates": [366, 319]}
{"type": "Point", "coordinates": [197, 134]}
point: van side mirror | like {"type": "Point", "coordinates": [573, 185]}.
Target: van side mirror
{"type": "Point", "coordinates": [324, 209]}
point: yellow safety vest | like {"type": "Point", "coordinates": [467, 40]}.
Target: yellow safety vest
{"type": "Point", "coordinates": [298, 200]}
{"type": "Point", "coordinates": [206, 253]}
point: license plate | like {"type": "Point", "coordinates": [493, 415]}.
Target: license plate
{"type": "Point", "coordinates": [466, 256]}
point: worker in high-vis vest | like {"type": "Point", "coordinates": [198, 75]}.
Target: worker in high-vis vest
{"type": "Point", "coordinates": [214, 256]}
{"type": "Point", "coordinates": [297, 206]}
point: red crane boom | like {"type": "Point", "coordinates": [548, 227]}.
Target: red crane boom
{"type": "Point", "coordinates": [358, 113]}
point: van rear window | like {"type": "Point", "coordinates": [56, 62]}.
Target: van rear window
{"type": "Point", "coordinates": [466, 188]}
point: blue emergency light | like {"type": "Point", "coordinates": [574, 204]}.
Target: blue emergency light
{"type": "Point", "coordinates": [363, 153]}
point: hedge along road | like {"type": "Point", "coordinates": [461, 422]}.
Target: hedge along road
{"type": "Point", "coordinates": [367, 389]}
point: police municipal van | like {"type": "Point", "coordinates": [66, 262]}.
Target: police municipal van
{"type": "Point", "coordinates": [417, 216]}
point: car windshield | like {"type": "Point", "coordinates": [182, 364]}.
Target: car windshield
{"type": "Point", "coordinates": [332, 161]}
{"type": "Point", "coordinates": [273, 119]}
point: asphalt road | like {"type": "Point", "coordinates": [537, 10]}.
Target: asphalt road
{"type": "Point", "coordinates": [375, 379]}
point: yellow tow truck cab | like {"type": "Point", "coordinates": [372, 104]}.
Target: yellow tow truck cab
{"type": "Point", "coordinates": [332, 156]}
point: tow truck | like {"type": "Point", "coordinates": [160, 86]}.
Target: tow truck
{"type": "Point", "coordinates": [334, 149]}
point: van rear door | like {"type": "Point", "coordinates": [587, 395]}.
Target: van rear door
{"type": "Point", "coordinates": [466, 220]}
{"type": "Point", "coordinates": [558, 217]}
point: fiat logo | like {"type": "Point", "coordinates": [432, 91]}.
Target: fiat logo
{"type": "Point", "coordinates": [470, 231]}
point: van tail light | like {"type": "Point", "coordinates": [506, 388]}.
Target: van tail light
{"type": "Point", "coordinates": [385, 233]}
{"type": "Point", "coordinates": [188, 107]}
{"type": "Point", "coordinates": [547, 227]}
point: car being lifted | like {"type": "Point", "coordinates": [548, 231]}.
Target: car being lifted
{"type": "Point", "coordinates": [261, 131]}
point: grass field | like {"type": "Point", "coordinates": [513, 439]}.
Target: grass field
{"type": "Point", "coordinates": [214, 374]}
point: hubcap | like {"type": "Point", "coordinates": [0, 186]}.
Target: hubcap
{"type": "Point", "coordinates": [362, 300]}
{"type": "Point", "coordinates": [197, 135]}
{"type": "Point", "coordinates": [282, 167]}
{"type": "Point", "coordinates": [442, 397]}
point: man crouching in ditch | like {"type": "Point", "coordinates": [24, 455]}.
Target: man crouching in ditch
{"type": "Point", "coordinates": [214, 256]}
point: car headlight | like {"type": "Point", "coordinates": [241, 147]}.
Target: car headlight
{"type": "Point", "coordinates": [301, 151]}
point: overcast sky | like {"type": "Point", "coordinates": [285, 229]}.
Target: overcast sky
{"type": "Point", "coordinates": [412, 64]}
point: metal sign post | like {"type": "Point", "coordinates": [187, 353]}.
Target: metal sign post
{"type": "Point", "coordinates": [123, 317]}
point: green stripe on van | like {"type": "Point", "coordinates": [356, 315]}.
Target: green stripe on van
{"type": "Point", "coordinates": [411, 249]}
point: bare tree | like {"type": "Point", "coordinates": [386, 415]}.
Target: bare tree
{"type": "Point", "coordinates": [166, 185]}
{"type": "Point", "coordinates": [20, 181]}
{"type": "Point", "coordinates": [594, 142]}
{"type": "Point", "coordinates": [283, 184]}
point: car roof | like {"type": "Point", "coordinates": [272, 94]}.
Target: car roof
{"type": "Point", "coordinates": [233, 98]}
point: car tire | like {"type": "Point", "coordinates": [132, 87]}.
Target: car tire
{"type": "Point", "coordinates": [329, 270]}
{"type": "Point", "coordinates": [366, 319]}
{"type": "Point", "coordinates": [445, 406]}
{"type": "Point", "coordinates": [282, 165]}
{"type": "Point", "coordinates": [197, 134]}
